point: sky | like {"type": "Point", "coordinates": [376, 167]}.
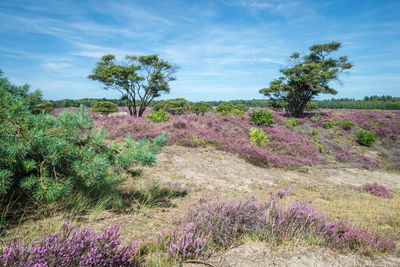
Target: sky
{"type": "Point", "coordinates": [224, 49]}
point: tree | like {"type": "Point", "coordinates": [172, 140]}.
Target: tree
{"type": "Point", "coordinates": [307, 77]}
{"type": "Point", "coordinates": [105, 107]}
{"type": "Point", "coordinates": [176, 106]}
{"type": "Point", "coordinates": [139, 78]}
{"type": "Point", "coordinates": [200, 108]}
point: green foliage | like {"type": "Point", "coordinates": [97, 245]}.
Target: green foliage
{"type": "Point", "coordinates": [316, 117]}
{"type": "Point", "coordinates": [307, 77]}
{"type": "Point", "coordinates": [198, 141]}
{"type": "Point", "coordinates": [105, 107]}
{"type": "Point", "coordinates": [366, 138]}
{"type": "Point", "coordinates": [226, 108]}
{"type": "Point", "coordinates": [372, 102]}
{"type": "Point", "coordinates": [200, 108]}
{"type": "Point", "coordinates": [328, 124]}
{"type": "Point", "coordinates": [291, 122]}
{"type": "Point", "coordinates": [345, 123]}
{"type": "Point", "coordinates": [51, 158]}
{"type": "Point", "coordinates": [177, 106]}
{"type": "Point", "coordinates": [261, 117]}
{"type": "Point", "coordinates": [311, 106]}
{"type": "Point", "coordinates": [158, 116]}
{"type": "Point", "coordinates": [258, 137]}
{"type": "Point", "coordinates": [145, 77]}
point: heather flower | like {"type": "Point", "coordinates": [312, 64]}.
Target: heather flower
{"type": "Point", "coordinates": [377, 190]}
{"type": "Point", "coordinates": [71, 247]}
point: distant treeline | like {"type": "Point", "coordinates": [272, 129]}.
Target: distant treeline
{"type": "Point", "coordinates": [369, 102]}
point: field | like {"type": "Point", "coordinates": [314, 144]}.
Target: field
{"type": "Point", "coordinates": [313, 194]}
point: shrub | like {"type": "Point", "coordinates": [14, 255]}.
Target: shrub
{"type": "Point", "coordinates": [45, 106]}
{"type": "Point", "coordinates": [226, 108]}
{"type": "Point", "coordinates": [200, 108]}
{"type": "Point", "coordinates": [366, 138]}
{"type": "Point", "coordinates": [328, 124]}
{"type": "Point", "coordinates": [258, 137]}
{"type": "Point", "coordinates": [177, 106]}
{"type": "Point", "coordinates": [377, 190]}
{"type": "Point", "coordinates": [261, 117]}
{"type": "Point", "coordinates": [316, 117]}
{"type": "Point", "coordinates": [187, 242]}
{"type": "Point", "coordinates": [311, 106]}
{"type": "Point", "coordinates": [346, 124]}
{"type": "Point", "coordinates": [50, 158]}
{"type": "Point", "coordinates": [105, 107]}
{"type": "Point", "coordinates": [221, 224]}
{"type": "Point", "coordinates": [72, 247]}
{"type": "Point", "coordinates": [158, 116]}
{"type": "Point", "coordinates": [291, 122]}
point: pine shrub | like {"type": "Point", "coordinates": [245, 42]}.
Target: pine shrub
{"type": "Point", "coordinates": [105, 107]}
{"type": "Point", "coordinates": [261, 117]}
{"type": "Point", "coordinates": [366, 138]}
{"type": "Point", "coordinates": [258, 137]}
{"type": "Point", "coordinates": [291, 122]}
{"type": "Point", "coordinates": [158, 116]}
{"type": "Point", "coordinates": [200, 108]}
{"type": "Point", "coordinates": [50, 158]}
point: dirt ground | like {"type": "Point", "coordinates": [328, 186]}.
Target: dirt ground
{"type": "Point", "coordinates": [209, 173]}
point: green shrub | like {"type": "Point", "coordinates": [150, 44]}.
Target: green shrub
{"type": "Point", "coordinates": [105, 107]}
{"type": "Point", "coordinates": [177, 106]}
{"type": "Point", "coordinates": [346, 123]}
{"type": "Point", "coordinates": [366, 138]}
{"type": "Point", "coordinates": [200, 108]}
{"type": "Point", "coordinates": [316, 117]}
{"type": "Point", "coordinates": [242, 107]}
{"type": "Point", "coordinates": [158, 116]}
{"type": "Point", "coordinates": [52, 158]}
{"type": "Point", "coordinates": [258, 137]}
{"type": "Point", "coordinates": [226, 108]}
{"type": "Point", "coordinates": [311, 106]}
{"type": "Point", "coordinates": [328, 124]}
{"type": "Point", "coordinates": [261, 117]}
{"type": "Point", "coordinates": [291, 122]}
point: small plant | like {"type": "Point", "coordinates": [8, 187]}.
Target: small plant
{"type": "Point", "coordinates": [200, 108]}
{"type": "Point", "coordinates": [291, 122]}
{"type": "Point", "coordinates": [346, 123]}
{"type": "Point", "coordinates": [261, 117]}
{"type": "Point", "coordinates": [328, 124]}
{"type": "Point", "coordinates": [316, 117]}
{"type": "Point", "coordinates": [105, 107]}
{"type": "Point", "coordinates": [366, 138]}
{"type": "Point", "coordinates": [198, 141]}
{"type": "Point", "coordinates": [377, 190]}
{"type": "Point", "coordinates": [338, 132]}
{"type": "Point", "coordinates": [72, 247]}
{"type": "Point", "coordinates": [158, 116]}
{"type": "Point", "coordinates": [258, 137]}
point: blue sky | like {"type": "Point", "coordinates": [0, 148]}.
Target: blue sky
{"type": "Point", "coordinates": [225, 49]}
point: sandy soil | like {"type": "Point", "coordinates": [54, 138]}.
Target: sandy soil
{"type": "Point", "coordinates": [211, 173]}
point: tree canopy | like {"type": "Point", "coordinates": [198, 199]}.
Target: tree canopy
{"type": "Point", "coordinates": [308, 76]}
{"type": "Point", "coordinates": [138, 78]}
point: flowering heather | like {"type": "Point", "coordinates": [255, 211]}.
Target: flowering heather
{"type": "Point", "coordinates": [230, 133]}
{"type": "Point", "coordinates": [71, 247]}
{"type": "Point", "coordinates": [377, 190]}
{"type": "Point", "coordinates": [186, 242]}
{"type": "Point", "coordinates": [343, 155]}
{"type": "Point", "coordinates": [284, 192]}
{"type": "Point", "coordinates": [368, 163]}
{"type": "Point", "coordinates": [222, 223]}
